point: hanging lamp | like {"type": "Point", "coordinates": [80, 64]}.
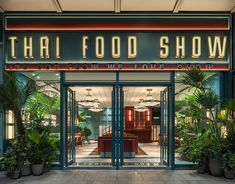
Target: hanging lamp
{"type": "Point", "coordinates": [88, 102]}
{"type": "Point", "coordinates": [149, 101]}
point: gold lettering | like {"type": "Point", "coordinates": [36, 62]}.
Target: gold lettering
{"type": "Point", "coordinates": [99, 47]}
{"type": "Point", "coordinates": [116, 53]}
{"type": "Point", "coordinates": [164, 48]}
{"type": "Point", "coordinates": [13, 40]}
{"type": "Point", "coordinates": [44, 47]}
{"type": "Point", "coordinates": [84, 46]}
{"type": "Point", "coordinates": [180, 47]}
{"type": "Point", "coordinates": [132, 47]}
{"type": "Point", "coordinates": [217, 46]}
{"type": "Point", "coordinates": [28, 47]}
{"type": "Point", "coordinates": [57, 45]}
{"type": "Point", "coordinates": [196, 47]}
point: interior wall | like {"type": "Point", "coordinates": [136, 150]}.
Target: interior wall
{"type": "Point", "coordinates": [96, 119]}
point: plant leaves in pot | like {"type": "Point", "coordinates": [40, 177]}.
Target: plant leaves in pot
{"type": "Point", "coordinates": [215, 160]}
{"type": "Point", "coordinates": [36, 155]}
{"type": "Point", "coordinates": [229, 165]}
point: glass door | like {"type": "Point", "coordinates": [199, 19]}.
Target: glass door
{"type": "Point", "coordinates": [70, 127]}
{"type": "Point", "coordinates": [139, 126]}
{"type": "Point", "coordinates": [164, 127]}
{"type": "Point", "coordinates": [90, 126]}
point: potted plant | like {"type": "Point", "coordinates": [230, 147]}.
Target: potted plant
{"type": "Point", "coordinates": [215, 159]}
{"type": "Point", "coordinates": [51, 151]}
{"type": "Point", "coordinates": [24, 158]}
{"type": "Point", "coordinates": [37, 156]}
{"type": "Point", "coordinates": [87, 133]}
{"type": "Point", "coordinates": [229, 165]}
{"type": "Point", "coordinates": [198, 151]}
{"type": "Point", "coordinates": [10, 162]}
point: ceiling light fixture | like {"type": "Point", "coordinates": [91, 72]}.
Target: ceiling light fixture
{"type": "Point", "coordinates": [149, 101]}
{"type": "Point", "coordinates": [88, 102]}
{"type": "Point", "coordinates": [140, 107]}
{"type": "Point", "coordinates": [96, 107]}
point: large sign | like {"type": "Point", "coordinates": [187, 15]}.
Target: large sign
{"type": "Point", "coordinates": [80, 50]}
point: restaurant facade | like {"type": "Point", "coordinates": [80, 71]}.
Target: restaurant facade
{"type": "Point", "coordinates": [116, 63]}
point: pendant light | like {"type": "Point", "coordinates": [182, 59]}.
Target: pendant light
{"type": "Point", "coordinates": [140, 107]}
{"type": "Point", "coordinates": [88, 102]}
{"type": "Point", "coordinates": [149, 101]}
{"type": "Point", "coordinates": [96, 107]}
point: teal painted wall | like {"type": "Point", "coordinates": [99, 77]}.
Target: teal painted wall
{"type": "Point", "coordinates": [214, 82]}
{"type": "Point", "coordinates": [95, 119]}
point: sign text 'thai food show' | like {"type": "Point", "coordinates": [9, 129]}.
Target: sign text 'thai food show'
{"type": "Point", "coordinates": [123, 50]}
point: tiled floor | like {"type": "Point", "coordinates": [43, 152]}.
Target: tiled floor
{"type": "Point", "coordinates": [118, 177]}
{"type": "Point", "coordinates": [152, 150]}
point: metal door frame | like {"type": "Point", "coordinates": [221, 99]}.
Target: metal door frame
{"type": "Point", "coordinates": [117, 124]}
{"type": "Point", "coordinates": [65, 87]}
{"type": "Point", "coordinates": [72, 119]}
{"type": "Point", "coordinates": [138, 84]}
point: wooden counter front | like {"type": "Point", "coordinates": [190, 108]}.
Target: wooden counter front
{"type": "Point", "coordinates": [144, 135]}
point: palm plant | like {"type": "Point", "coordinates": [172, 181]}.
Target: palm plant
{"type": "Point", "coordinates": [205, 97]}
{"type": "Point", "coordinates": [14, 93]}
{"type": "Point", "coordinates": [194, 78]}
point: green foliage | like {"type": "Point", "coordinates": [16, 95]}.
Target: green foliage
{"type": "Point", "coordinates": [79, 129]}
{"type": "Point", "coordinates": [40, 107]}
{"type": "Point", "coordinates": [87, 132]}
{"type": "Point", "coordinates": [194, 78]}
{"type": "Point", "coordinates": [207, 99]}
{"type": "Point", "coordinates": [45, 148]}
{"type": "Point", "coordinates": [198, 149]}
{"type": "Point", "coordinates": [16, 154]}
{"type": "Point", "coordinates": [229, 161]}
{"type": "Point", "coordinates": [14, 93]}
{"type": "Point", "coordinates": [10, 161]}
{"type": "Point", "coordinates": [81, 118]}
{"type": "Point", "coordinates": [199, 133]}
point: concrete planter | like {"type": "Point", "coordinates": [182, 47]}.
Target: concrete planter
{"type": "Point", "coordinates": [25, 170]}
{"type": "Point", "coordinates": [37, 169]}
{"type": "Point", "coordinates": [216, 167]}
{"type": "Point", "coordinates": [228, 174]}
{"type": "Point", "coordinates": [15, 174]}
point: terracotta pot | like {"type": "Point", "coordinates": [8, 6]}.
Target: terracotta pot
{"type": "Point", "coordinates": [37, 169]}
{"type": "Point", "coordinates": [25, 170]}
{"type": "Point", "coordinates": [216, 167]}
{"type": "Point", "coordinates": [228, 174]}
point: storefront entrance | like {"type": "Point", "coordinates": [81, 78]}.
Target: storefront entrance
{"type": "Point", "coordinates": [118, 124]}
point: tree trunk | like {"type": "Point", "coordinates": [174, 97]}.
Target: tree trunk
{"type": "Point", "coordinates": [19, 123]}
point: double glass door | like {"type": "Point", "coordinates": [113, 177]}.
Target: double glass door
{"type": "Point", "coordinates": [129, 137]}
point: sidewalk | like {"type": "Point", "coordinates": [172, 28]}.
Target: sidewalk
{"type": "Point", "coordinates": [122, 177]}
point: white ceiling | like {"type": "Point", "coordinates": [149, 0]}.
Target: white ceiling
{"type": "Point", "coordinates": [116, 5]}
{"type": "Point", "coordinates": [103, 94]}
{"type": "Point", "coordinates": [132, 94]}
